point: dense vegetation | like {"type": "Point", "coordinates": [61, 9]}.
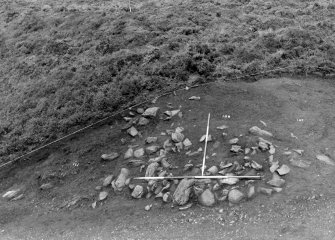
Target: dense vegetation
{"type": "Point", "coordinates": [64, 64]}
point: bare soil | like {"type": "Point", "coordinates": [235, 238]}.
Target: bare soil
{"type": "Point", "coordinates": [304, 210]}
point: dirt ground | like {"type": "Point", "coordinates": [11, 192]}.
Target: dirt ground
{"type": "Point", "coordinates": [304, 210]}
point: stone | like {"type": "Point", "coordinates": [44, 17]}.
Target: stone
{"type": "Point", "coordinates": [107, 181]}
{"type": "Point", "coordinates": [247, 151]}
{"type": "Point", "coordinates": [150, 112]}
{"type": "Point", "coordinates": [194, 98]}
{"type": "Point", "coordinates": [138, 192]}
{"type": "Point", "coordinates": [182, 193]}
{"type": "Point", "coordinates": [103, 195]}
{"type": "Point", "coordinates": [272, 150]}
{"type": "Point", "coordinates": [263, 146]}
{"type": "Point", "coordinates": [46, 186]}
{"type": "Point", "coordinates": [233, 141]}
{"type": "Point", "coordinates": [276, 181]}
{"type": "Point", "coordinates": [139, 153]}
{"type": "Point", "coordinates": [165, 163]}
{"type": "Point", "coordinates": [300, 163]}
{"type": "Point", "coordinates": [98, 188]}
{"type": "Point", "coordinates": [229, 181]}
{"type": "Point", "coordinates": [222, 127]}
{"type": "Point", "coordinates": [299, 151]}
{"type": "Point", "coordinates": [135, 162]}
{"type": "Point", "coordinates": [222, 195]}
{"type": "Point", "coordinates": [235, 196]}
{"type": "Point", "coordinates": [167, 197]}
{"type": "Point", "coordinates": [266, 191]}
{"type": "Point", "coordinates": [120, 181]}
{"type": "Point", "coordinates": [185, 207]}
{"type": "Point", "coordinates": [187, 167]}
{"type": "Point", "coordinates": [213, 170]}
{"type": "Point", "coordinates": [110, 156]}
{"type": "Point", "coordinates": [172, 113]}
{"type": "Point", "coordinates": [140, 110]}
{"type": "Point", "coordinates": [274, 166]}
{"type": "Point", "coordinates": [129, 153]}
{"type": "Point", "coordinates": [151, 169]}
{"type": "Point", "coordinates": [256, 165]}
{"type": "Point", "coordinates": [151, 140]}
{"type": "Point", "coordinates": [283, 170]}
{"type": "Point", "coordinates": [207, 198]}
{"type": "Point", "coordinates": [203, 138]}
{"type": "Point", "coordinates": [187, 143]}
{"type": "Point", "coordinates": [132, 131]}
{"type": "Point", "coordinates": [148, 207]}
{"type": "Point", "coordinates": [179, 129]}
{"type": "Point", "coordinates": [257, 131]}
{"type": "Point", "coordinates": [277, 189]}
{"type": "Point", "coordinates": [325, 159]}
{"type": "Point", "coordinates": [177, 137]}
{"type": "Point", "coordinates": [18, 197]}
{"type": "Point", "coordinates": [251, 191]}
{"type": "Point", "coordinates": [179, 146]}
{"type": "Point", "coordinates": [152, 149]}
{"type": "Point", "coordinates": [235, 148]}
{"type": "Point", "coordinates": [224, 165]}
{"type": "Point", "coordinates": [143, 121]}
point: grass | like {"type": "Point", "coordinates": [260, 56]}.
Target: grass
{"type": "Point", "coordinates": [64, 64]}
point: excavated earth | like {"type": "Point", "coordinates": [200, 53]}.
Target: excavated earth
{"type": "Point", "coordinates": [299, 112]}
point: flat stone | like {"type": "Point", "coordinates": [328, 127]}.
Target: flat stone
{"type": "Point", "coordinates": [152, 149]}
{"type": "Point", "coordinates": [120, 181]}
{"type": "Point", "coordinates": [167, 197]}
{"type": "Point", "coordinates": [151, 169]}
{"type": "Point", "coordinates": [129, 153]}
{"type": "Point", "coordinates": [103, 195]}
{"type": "Point", "coordinates": [224, 165]}
{"type": "Point", "coordinates": [222, 127]}
{"type": "Point", "coordinates": [139, 153]}
{"type": "Point", "coordinates": [182, 193]}
{"type": "Point", "coordinates": [107, 181]}
{"type": "Point", "coordinates": [140, 110]}
{"type": "Point", "coordinates": [266, 191]}
{"type": "Point", "coordinates": [185, 207]}
{"type": "Point", "coordinates": [235, 148]}
{"type": "Point", "coordinates": [151, 140]}
{"type": "Point", "coordinates": [203, 138]}
{"type": "Point", "coordinates": [283, 170]}
{"type": "Point", "coordinates": [187, 143]}
{"type": "Point", "coordinates": [143, 121]}
{"type": "Point", "coordinates": [233, 141]}
{"type": "Point", "coordinates": [235, 196]}
{"type": "Point", "coordinates": [207, 198]}
{"type": "Point", "coordinates": [325, 159]}
{"type": "Point", "coordinates": [257, 131]}
{"type": "Point", "coordinates": [179, 146]}
{"type": "Point", "coordinates": [194, 98]}
{"type": "Point", "coordinates": [110, 156]}
{"type": "Point", "coordinates": [46, 186]}
{"type": "Point", "coordinates": [177, 137]}
{"type": "Point", "coordinates": [274, 166]}
{"type": "Point", "coordinates": [276, 181]}
{"type": "Point", "coordinates": [132, 131]}
{"type": "Point", "coordinates": [272, 150]}
{"type": "Point", "coordinates": [151, 112]}
{"type": "Point", "coordinates": [255, 165]}
{"type": "Point", "coordinates": [137, 192]}
{"type": "Point", "coordinates": [251, 191]}
{"type": "Point", "coordinates": [172, 113]}
{"type": "Point", "coordinates": [135, 162]}
{"type": "Point", "coordinates": [229, 181]}
{"type": "Point", "coordinates": [300, 163]}
{"type": "Point", "coordinates": [213, 170]}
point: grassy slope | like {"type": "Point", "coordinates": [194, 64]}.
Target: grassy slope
{"type": "Point", "coordinates": [66, 63]}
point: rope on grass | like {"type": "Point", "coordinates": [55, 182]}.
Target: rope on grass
{"type": "Point", "coordinates": [179, 88]}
